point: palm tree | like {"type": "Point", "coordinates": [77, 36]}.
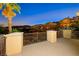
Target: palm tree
{"type": "Point", "coordinates": [9, 11]}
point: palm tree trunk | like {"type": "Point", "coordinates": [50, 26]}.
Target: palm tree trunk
{"type": "Point", "coordinates": [10, 24]}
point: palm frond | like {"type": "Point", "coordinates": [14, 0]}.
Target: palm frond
{"type": "Point", "coordinates": [15, 7]}
{"type": "Point", "coordinates": [8, 9]}
{"type": "Point", "coordinates": [1, 5]}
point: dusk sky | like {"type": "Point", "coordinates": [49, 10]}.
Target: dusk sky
{"type": "Point", "coordinates": [39, 13]}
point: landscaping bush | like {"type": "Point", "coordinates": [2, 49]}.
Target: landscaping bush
{"type": "Point", "coordinates": [1, 31]}
{"type": "Point", "coordinates": [15, 30]}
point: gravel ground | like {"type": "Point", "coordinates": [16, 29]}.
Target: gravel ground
{"type": "Point", "coordinates": [63, 47]}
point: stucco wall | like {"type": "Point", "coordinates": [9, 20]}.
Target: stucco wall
{"type": "Point", "coordinates": [14, 43]}
{"type": "Point", "coordinates": [52, 36]}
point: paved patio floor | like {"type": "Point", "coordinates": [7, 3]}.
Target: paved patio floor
{"type": "Point", "coordinates": [63, 47]}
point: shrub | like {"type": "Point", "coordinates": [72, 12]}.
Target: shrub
{"type": "Point", "coordinates": [1, 31]}
{"type": "Point", "coordinates": [15, 30]}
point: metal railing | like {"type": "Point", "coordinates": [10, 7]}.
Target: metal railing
{"type": "Point", "coordinates": [29, 38]}
{"type": "Point", "coordinates": [2, 45]}
{"type": "Point", "coordinates": [59, 34]}
{"type": "Point", "coordinates": [75, 34]}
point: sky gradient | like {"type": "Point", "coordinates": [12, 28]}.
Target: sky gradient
{"type": "Point", "coordinates": [39, 13]}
